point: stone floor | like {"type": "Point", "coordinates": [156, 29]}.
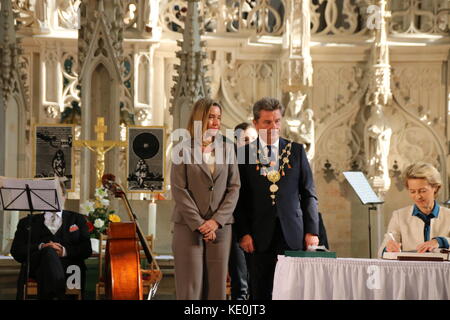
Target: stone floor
{"type": "Point", "coordinates": [9, 271]}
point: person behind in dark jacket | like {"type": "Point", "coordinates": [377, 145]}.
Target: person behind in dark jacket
{"type": "Point", "coordinates": [245, 133]}
{"type": "Point", "coordinates": [58, 240]}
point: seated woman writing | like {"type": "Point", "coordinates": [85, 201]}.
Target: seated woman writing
{"type": "Point", "coordinates": [425, 225]}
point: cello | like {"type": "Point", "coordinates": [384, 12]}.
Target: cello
{"type": "Point", "coordinates": [122, 257]}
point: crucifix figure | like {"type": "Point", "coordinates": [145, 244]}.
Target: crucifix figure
{"type": "Point", "coordinates": [100, 147]}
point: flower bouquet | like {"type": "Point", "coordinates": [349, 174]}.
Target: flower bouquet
{"type": "Point", "coordinates": [98, 214]}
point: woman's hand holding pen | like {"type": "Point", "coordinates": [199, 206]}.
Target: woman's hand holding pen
{"type": "Point", "coordinates": [392, 245]}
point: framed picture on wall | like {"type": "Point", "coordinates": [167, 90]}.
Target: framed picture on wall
{"type": "Point", "coordinates": [53, 154]}
{"type": "Point", "coordinates": [146, 159]}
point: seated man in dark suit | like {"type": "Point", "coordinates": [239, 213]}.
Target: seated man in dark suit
{"type": "Point", "coordinates": [58, 240]}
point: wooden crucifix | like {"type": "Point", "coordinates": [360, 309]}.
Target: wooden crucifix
{"type": "Point", "coordinates": [100, 147]}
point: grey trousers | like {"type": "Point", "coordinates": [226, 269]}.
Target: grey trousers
{"type": "Point", "coordinates": [200, 267]}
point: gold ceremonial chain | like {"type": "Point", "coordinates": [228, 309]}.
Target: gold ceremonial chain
{"type": "Point", "coordinates": [274, 175]}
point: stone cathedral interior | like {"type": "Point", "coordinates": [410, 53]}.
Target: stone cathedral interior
{"type": "Point", "coordinates": [365, 85]}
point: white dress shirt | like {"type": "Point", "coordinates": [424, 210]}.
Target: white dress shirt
{"type": "Point", "coordinates": [53, 221]}
{"type": "Point", "coordinates": [210, 160]}
{"type": "Point", "coordinates": [275, 147]}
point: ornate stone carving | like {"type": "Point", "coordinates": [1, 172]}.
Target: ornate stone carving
{"type": "Point", "coordinates": [377, 140]}
{"type": "Point", "coordinates": [138, 18]}
{"type": "Point", "coordinates": [171, 15]}
{"type": "Point", "coordinates": [142, 115]}
{"type": "Point", "coordinates": [101, 32]}
{"type": "Point", "coordinates": [15, 120]}
{"type": "Point", "coordinates": [68, 15]}
{"type": "Point", "coordinates": [298, 122]}
{"type": "Point", "coordinates": [329, 18]}
{"type": "Point", "coordinates": [257, 76]}
{"type": "Point", "coordinates": [419, 135]}
{"type": "Point", "coordinates": [340, 85]}
{"type": "Point", "coordinates": [102, 70]}
{"type": "Point", "coordinates": [12, 74]}
{"type": "Point", "coordinates": [262, 17]}
{"type": "Point", "coordinates": [191, 82]}
{"type": "Point", "coordinates": [419, 87]}
{"type": "Point", "coordinates": [52, 111]}
{"type": "Point", "coordinates": [30, 14]}
{"type": "Point", "coordinates": [128, 92]}
{"type": "Point", "coordinates": [70, 93]}
{"type": "Point", "coordinates": [336, 103]}
{"type": "Point", "coordinates": [377, 131]}
{"type": "Point", "coordinates": [418, 16]}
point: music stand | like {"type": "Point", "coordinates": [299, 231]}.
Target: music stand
{"type": "Point", "coordinates": [365, 194]}
{"type": "Point", "coordinates": [30, 196]}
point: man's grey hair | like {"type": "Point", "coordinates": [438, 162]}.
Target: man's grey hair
{"type": "Point", "coordinates": [267, 104]}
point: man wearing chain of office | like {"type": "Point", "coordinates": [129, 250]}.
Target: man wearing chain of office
{"type": "Point", "coordinates": [277, 208]}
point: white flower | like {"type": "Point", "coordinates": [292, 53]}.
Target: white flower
{"type": "Point", "coordinates": [101, 193]}
{"type": "Point", "coordinates": [104, 202]}
{"type": "Point", "coordinates": [87, 207]}
{"type": "Point", "coordinates": [98, 223]}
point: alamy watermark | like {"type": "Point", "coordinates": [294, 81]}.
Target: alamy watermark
{"type": "Point", "coordinates": [74, 279]}
{"type": "Point", "coordinates": [374, 17]}
{"type": "Point", "coordinates": [188, 149]}
{"type": "Point", "coordinates": [373, 282]}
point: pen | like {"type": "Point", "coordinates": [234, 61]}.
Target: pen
{"type": "Point", "coordinates": [392, 237]}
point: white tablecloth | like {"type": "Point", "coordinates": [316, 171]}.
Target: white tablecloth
{"type": "Point", "coordinates": [359, 279]}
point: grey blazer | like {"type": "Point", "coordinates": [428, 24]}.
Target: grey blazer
{"type": "Point", "coordinates": [200, 196]}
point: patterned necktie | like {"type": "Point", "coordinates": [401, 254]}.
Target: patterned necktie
{"type": "Point", "coordinates": [53, 226]}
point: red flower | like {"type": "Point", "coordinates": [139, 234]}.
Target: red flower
{"type": "Point", "coordinates": [90, 226]}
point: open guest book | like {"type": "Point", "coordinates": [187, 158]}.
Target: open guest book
{"type": "Point", "coordinates": [436, 255]}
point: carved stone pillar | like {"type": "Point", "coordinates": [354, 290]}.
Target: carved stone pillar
{"type": "Point", "coordinates": [191, 83]}
{"type": "Point", "coordinates": [377, 130]}
{"type": "Point", "coordinates": [296, 75]}
{"type": "Point", "coordinates": [14, 115]}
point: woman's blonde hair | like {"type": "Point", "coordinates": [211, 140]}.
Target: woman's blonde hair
{"type": "Point", "coordinates": [423, 170]}
{"type": "Point", "coordinates": [200, 112]}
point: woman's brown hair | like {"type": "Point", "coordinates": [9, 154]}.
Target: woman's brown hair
{"type": "Point", "coordinates": [200, 112]}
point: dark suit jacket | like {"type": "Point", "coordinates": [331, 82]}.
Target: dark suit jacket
{"type": "Point", "coordinates": [77, 242]}
{"type": "Point", "coordinates": [296, 200]}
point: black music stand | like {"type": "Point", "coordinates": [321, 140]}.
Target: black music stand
{"type": "Point", "coordinates": [30, 200]}
{"type": "Point", "coordinates": [366, 194]}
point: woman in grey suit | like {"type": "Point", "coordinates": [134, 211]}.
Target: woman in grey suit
{"type": "Point", "coordinates": [205, 186]}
